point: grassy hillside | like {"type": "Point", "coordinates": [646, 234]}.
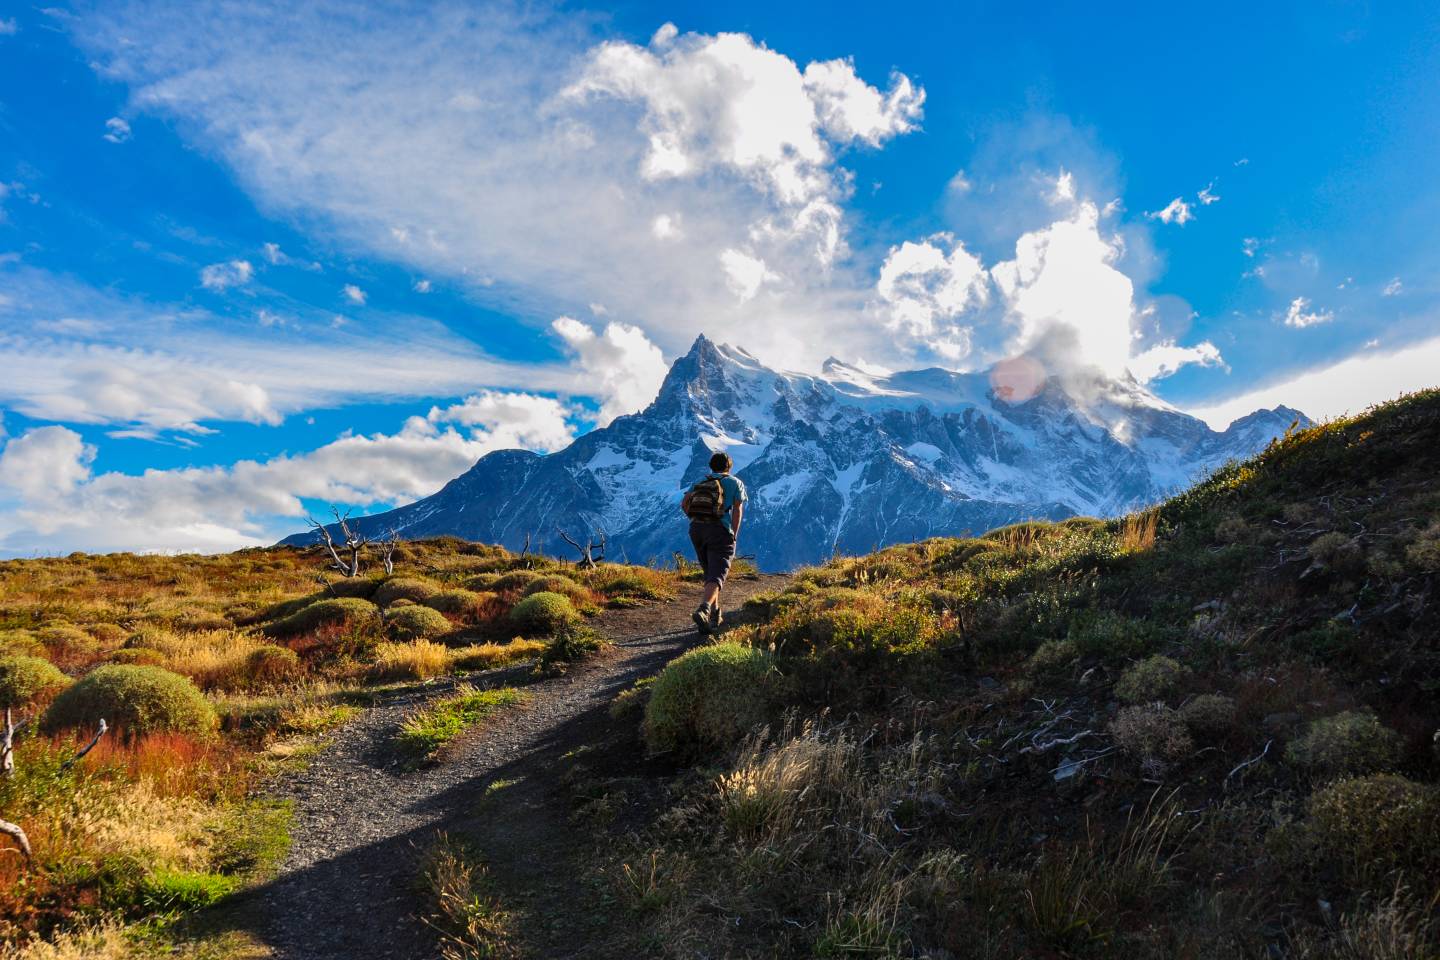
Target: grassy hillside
{"type": "Point", "coordinates": [1204, 731]}
{"type": "Point", "coordinates": [214, 673]}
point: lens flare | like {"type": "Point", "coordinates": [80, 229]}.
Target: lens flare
{"type": "Point", "coordinates": [1017, 379]}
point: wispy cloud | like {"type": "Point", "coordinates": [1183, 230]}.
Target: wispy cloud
{"type": "Point", "coordinates": [1177, 211]}
{"type": "Point", "coordinates": [117, 130]}
{"type": "Point", "coordinates": [1393, 288]}
{"type": "Point", "coordinates": [353, 294]}
{"type": "Point", "coordinates": [223, 276]}
{"type": "Point", "coordinates": [1300, 315]}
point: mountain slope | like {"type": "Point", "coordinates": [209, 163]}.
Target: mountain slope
{"type": "Point", "coordinates": [842, 462]}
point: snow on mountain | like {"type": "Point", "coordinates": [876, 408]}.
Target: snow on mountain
{"type": "Point", "coordinates": [845, 461]}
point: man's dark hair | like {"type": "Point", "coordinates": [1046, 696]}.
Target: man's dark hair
{"type": "Point", "coordinates": [720, 462]}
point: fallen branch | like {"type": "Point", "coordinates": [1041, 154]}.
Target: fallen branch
{"type": "Point", "coordinates": [87, 748]}
{"type": "Point", "coordinates": [7, 743]}
{"type": "Point", "coordinates": [13, 831]}
{"type": "Point", "coordinates": [1059, 742]}
{"type": "Point", "coordinates": [1256, 759]}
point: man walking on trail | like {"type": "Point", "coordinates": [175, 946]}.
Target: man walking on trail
{"type": "Point", "coordinates": [715, 507]}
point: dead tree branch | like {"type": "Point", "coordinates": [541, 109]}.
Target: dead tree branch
{"type": "Point", "coordinates": [7, 744]}
{"type": "Point", "coordinates": [588, 550]}
{"type": "Point", "coordinates": [387, 550]}
{"type": "Point", "coordinates": [13, 831]}
{"type": "Point", "coordinates": [1256, 759]}
{"type": "Point", "coordinates": [353, 544]}
{"type": "Point", "coordinates": [99, 732]}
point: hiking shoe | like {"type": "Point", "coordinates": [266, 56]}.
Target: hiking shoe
{"type": "Point", "coordinates": [701, 616]}
{"type": "Point", "coordinates": [715, 618]}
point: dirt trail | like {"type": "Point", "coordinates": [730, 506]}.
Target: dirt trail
{"type": "Point", "coordinates": [348, 888]}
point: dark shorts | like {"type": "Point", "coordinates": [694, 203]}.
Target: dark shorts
{"type": "Point", "coordinates": [714, 549]}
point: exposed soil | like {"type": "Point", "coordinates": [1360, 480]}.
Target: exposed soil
{"type": "Point", "coordinates": [349, 887]}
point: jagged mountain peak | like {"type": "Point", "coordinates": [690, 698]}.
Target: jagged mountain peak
{"type": "Point", "coordinates": [846, 459]}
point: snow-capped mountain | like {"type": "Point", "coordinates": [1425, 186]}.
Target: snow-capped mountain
{"type": "Point", "coordinates": [842, 462]}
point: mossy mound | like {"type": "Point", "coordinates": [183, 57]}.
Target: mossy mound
{"type": "Point", "coordinates": [136, 700]}
{"type": "Point", "coordinates": [269, 664]}
{"type": "Point", "coordinates": [1154, 678]}
{"type": "Point", "coordinates": [141, 656]}
{"type": "Point", "coordinates": [514, 580]}
{"type": "Point", "coordinates": [543, 612]}
{"type": "Point", "coordinates": [336, 611]}
{"type": "Point", "coordinates": [558, 583]}
{"type": "Point", "coordinates": [404, 588]}
{"type": "Point", "coordinates": [465, 604]}
{"type": "Point", "coordinates": [26, 679]}
{"type": "Point", "coordinates": [1377, 827]}
{"type": "Point", "coordinates": [417, 623]}
{"type": "Point", "coordinates": [1353, 742]}
{"type": "Point", "coordinates": [362, 587]}
{"type": "Point", "coordinates": [709, 698]}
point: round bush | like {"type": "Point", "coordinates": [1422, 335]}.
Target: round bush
{"type": "Point", "coordinates": [268, 663]}
{"type": "Point", "coordinates": [402, 602]}
{"type": "Point", "coordinates": [1154, 678]}
{"type": "Point", "coordinates": [23, 679]}
{"type": "Point", "coordinates": [556, 583]}
{"type": "Point", "coordinates": [543, 612]}
{"type": "Point", "coordinates": [514, 580]}
{"type": "Point", "coordinates": [19, 642]}
{"type": "Point", "coordinates": [1154, 735]}
{"type": "Point", "coordinates": [135, 700]}
{"type": "Point", "coordinates": [1370, 826]}
{"type": "Point", "coordinates": [481, 581]}
{"type": "Point", "coordinates": [1353, 742]}
{"type": "Point", "coordinates": [709, 698]}
{"type": "Point", "coordinates": [459, 603]}
{"type": "Point", "coordinates": [1053, 656]}
{"type": "Point", "coordinates": [362, 587]}
{"type": "Point", "coordinates": [143, 656]}
{"type": "Point", "coordinates": [417, 623]}
{"type": "Point", "coordinates": [404, 588]}
{"type": "Point", "coordinates": [324, 613]}
{"type": "Point", "coordinates": [1210, 714]}
{"type": "Point", "coordinates": [108, 633]}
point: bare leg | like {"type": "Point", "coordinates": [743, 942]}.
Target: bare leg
{"type": "Point", "coordinates": [711, 595]}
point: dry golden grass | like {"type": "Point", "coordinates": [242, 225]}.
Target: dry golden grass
{"type": "Point", "coordinates": [416, 660]}
{"type": "Point", "coordinates": [1137, 531]}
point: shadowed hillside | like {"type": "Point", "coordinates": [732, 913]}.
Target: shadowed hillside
{"type": "Point", "coordinates": [1208, 730]}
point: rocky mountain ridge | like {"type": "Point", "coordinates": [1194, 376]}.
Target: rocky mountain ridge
{"type": "Point", "coordinates": [843, 462]}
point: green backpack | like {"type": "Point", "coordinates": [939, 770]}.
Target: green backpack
{"type": "Point", "coordinates": [705, 501]}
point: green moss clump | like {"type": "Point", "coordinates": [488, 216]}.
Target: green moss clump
{"type": "Point", "coordinates": [362, 587]}
{"type": "Point", "coordinates": [709, 698]}
{"type": "Point", "coordinates": [543, 612]}
{"type": "Point", "coordinates": [1371, 827]}
{"type": "Point", "coordinates": [1053, 656]}
{"type": "Point", "coordinates": [134, 699]}
{"type": "Point", "coordinates": [406, 588]}
{"type": "Point", "coordinates": [25, 679]}
{"type": "Point", "coordinates": [558, 583]}
{"type": "Point", "coordinates": [335, 611]}
{"type": "Point", "coordinates": [459, 603]}
{"type": "Point", "coordinates": [514, 580]}
{"type": "Point", "coordinates": [141, 656]}
{"type": "Point", "coordinates": [1154, 678]}
{"type": "Point", "coordinates": [1353, 742]}
{"type": "Point", "coordinates": [417, 623]}
{"type": "Point", "coordinates": [1209, 715]}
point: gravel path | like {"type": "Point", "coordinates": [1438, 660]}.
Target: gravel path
{"type": "Point", "coordinates": [348, 888]}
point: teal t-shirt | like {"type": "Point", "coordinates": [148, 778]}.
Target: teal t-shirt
{"type": "Point", "coordinates": [734, 493]}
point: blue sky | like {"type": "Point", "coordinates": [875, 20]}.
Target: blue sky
{"type": "Point", "coordinates": [257, 259]}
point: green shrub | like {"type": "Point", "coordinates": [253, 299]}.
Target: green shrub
{"type": "Point", "coordinates": [1424, 553]}
{"type": "Point", "coordinates": [1053, 656]}
{"type": "Point", "coordinates": [709, 698]}
{"type": "Point", "coordinates": [1154, 678]}
{"type": "Point", "coordinates": [646, 585]}
{"type": "Point", "coordinates": [1371, 827]}
{"type": "Point", "coordinates": [466, 604]}
{"type": "Point", "coordinates": [543, 612]}
{"type": "Point", "coordinates": [362, 587]}
{"type": "Point", "coordinates": [481, 582]}
{"type": "Point", "coordinates": [417, 623]}
{"type": "Point", "coordinates": [1335, 550]}
{"type": "Point", "coordinates": [19, 642]}
{"type": "Point", "coordinates": [268, 664]}
{"type": "Point", "coordinates": [167, 890]}
{"type": "Point", "coordinates": [514, 580]}
{"type": "Point", "coordinates": [336, 611]}
{"type": "Point", "coordinates": [556, 583]}
{"type": "Point", "coordinates": [136, 700]}
{"type": "Point", "coordinates": [1112, 636]}
{"type": "Point", "coordinates": [25, 679]}
{"type": "Point", "coordinates": [139, 656]}
{"type": "Point", "coordinates": [1353, 742]}
{"type": "Point", "coordinates": [572, 642]}
{"type": "Point", "coordinates": [404, 588]}
{"type": "Point", "coordinates": [1210, 715]}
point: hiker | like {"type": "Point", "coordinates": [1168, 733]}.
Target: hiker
{"type": "Point", "coordinates": [714, 506]}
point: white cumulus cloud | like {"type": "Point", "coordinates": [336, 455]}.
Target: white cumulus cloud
{"type": "Point", "coordinates": [925, 289]}
{"type": "Point", "coordinates": [1176, 211]}
{"type": "Point", "coordinates": [619, 366]}
{"type": "Point", "coordinates": [353, 294]}
{"type": "Point", "coordinates": [222, 276]}
{"type": "Point", "coordinates": [1300, 315]}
